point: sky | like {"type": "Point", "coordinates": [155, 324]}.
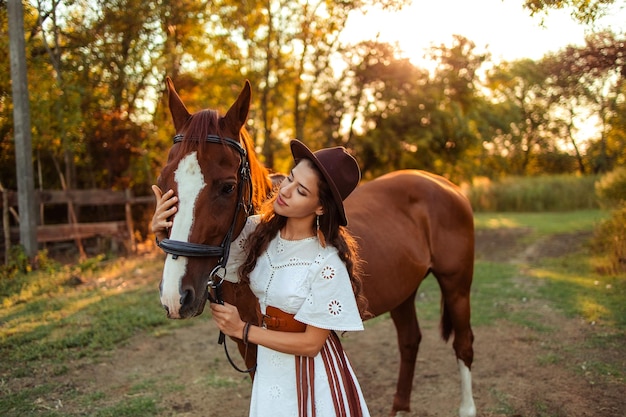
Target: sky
{"type": "Point", "coordinates": [502, 27]}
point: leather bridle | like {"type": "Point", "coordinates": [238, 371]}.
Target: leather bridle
{"type": "Point", "coordinates": [178, 248]}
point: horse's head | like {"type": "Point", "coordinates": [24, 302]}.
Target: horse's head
{"type": "Point", "coordinates": [212, 169]}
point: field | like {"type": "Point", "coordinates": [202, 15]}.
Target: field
{"type": "Point", "coordinates": [550, 338]}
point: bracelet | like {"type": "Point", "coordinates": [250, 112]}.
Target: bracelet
{"type": "Point", "coordinates": [246, 329]}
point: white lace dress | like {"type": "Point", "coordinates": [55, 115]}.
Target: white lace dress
{"type": "Point", "coordinates": [302, 278]}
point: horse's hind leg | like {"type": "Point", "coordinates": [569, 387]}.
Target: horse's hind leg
{"type": "Point", "coordinates": [456, 318]}
{"type": "Point", "coordinates": [409, 337]}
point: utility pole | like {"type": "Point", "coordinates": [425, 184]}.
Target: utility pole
{"type": "Point", "coordinates": [21, 125]}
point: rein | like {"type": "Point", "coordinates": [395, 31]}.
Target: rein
{"type": "Point", "coordinates": [178, 248]}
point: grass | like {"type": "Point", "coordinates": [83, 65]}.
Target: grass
{"type": "Point", "coordinates": [511, 293]}
{"type": "Point", "coordinates": [46, 320]}
{"type": "Point", "coordinates": [65, 321]}
{"type": "Point", "coordinates": [570, 282]}
{"type": "Point", "coordinates": [578, 292]}
{"type": "Point", "coordinates": [49, 321]}
{"type": "Point", "coordinates": [542, 223]}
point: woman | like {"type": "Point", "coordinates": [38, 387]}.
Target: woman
{"type": "Point", "coordinates": [302, 265]}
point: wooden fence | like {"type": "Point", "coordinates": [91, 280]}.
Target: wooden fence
{"type": "Point", "coordinates": [120, 229]}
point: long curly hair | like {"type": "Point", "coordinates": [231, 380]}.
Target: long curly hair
{"type": "Point", "coordinates": [334, 234]}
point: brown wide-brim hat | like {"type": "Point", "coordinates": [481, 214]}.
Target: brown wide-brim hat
{"type": "Point", "coordinates": [340, 170]}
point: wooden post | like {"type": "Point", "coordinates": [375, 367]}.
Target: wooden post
{"type": "Point", "coordinates": [5, 224]}
{"type": "Point", "coordinates": [21, 126]}
{"type": "Point", "coordinates": [73, 220]}
{"type": "Point", "coordinates": [129, 219]}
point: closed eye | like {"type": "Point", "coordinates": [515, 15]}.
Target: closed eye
{"type": "Point", "coordinates": [301, 189]}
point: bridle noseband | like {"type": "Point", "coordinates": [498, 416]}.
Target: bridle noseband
{"type": "Point", "coordinates": [178, 248]}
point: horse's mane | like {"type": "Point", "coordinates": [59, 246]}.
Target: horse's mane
{"type": "Point", "coordinates": [261, 182]}
{"type": "Point", "coordinates": [206, 122]}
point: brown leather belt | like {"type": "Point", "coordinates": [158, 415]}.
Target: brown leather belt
{"type": "Point", "coordinates": [276, 319]}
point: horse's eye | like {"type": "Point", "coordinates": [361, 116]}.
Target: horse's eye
{"type": "Point", "coordinates": [228, 188]}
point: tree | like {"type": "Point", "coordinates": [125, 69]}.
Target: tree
{"type": "Point", "coordinates": [413, 119]}
{"type": "Point", "coordinates": [591, 79]}
{"type": "Point", "coordinates": [519, 85]}
{"type": "Point", "coordinates": [288, 47]}
{"type": "Point", "coordinates": [377, 88]}
{"type": "Point", "coordinates": [615, 145]}
{"type": "Point", "coordinates": [583, 11]}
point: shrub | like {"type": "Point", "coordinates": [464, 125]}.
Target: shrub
{"type": "Point", "coordinates": [610, 239]}
{"type": "Point", "coordinates": [611, 188]}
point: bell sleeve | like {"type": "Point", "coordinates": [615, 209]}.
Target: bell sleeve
{"type": "Point", "coordinates": [330, 303]}
{"type": "Point", "coordinates": [237, 254]}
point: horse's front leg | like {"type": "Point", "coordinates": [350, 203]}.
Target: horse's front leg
{"type": "Point", "coordinates": [409, 337]}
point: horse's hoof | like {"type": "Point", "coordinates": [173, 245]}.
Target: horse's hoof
{"type": "Point", "coordinates": [468, 411]}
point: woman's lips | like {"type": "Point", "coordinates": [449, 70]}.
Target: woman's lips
{"type": "Point", "coordinates": [280, 201]}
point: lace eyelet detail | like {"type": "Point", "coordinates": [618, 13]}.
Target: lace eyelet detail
{"type": "Point", "coordinates": [275, 360]}
{"type": "Point", "coordinates": [334, 308]}
{"type": "Point", "coordinates": [328, 272]}
{"type": "Point", "coordinates": [275, 391]}
{"type": "Point", "coordinates": [280, 246]}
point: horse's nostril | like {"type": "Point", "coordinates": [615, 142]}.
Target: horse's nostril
{"type": "Point", "coordinates": [167, 310]}
{"type": "Point", "coordinates": [186, 297]}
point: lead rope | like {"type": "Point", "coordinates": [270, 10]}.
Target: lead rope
{"type": "Point", "coordinates": [217, 289]}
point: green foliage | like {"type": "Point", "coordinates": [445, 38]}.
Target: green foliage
{"type": "Point", "coordinates": [15, 273]}
{"type": "Point", "coordinates": [533, 194]}
{"type": "Point", "coordinates": [611, 188]}
{"type": "Point", "coordinates": [17, 261]}
{"type": "Point", "coordinates": [100, 116]}
{"type": "Point", "coordinates": [584, 11]}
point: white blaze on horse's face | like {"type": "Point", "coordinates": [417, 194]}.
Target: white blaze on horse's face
{"type": "Point", "coordinates": [190, 182]}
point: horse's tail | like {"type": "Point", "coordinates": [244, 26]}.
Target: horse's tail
{"type": "Point", "coordinates": [446, 321]}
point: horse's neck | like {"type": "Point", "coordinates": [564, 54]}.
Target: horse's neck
{"type": "Point", "coordinates": [242, 296]}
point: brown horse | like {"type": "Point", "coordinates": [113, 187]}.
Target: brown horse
{"type": "Point", "coordinates": [408, 224]}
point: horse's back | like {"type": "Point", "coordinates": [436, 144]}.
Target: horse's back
{"type": "Point", "coordinates": [407, 224]}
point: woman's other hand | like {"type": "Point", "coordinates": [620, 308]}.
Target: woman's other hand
{"type": "Point", "coordinates": [165, 209]}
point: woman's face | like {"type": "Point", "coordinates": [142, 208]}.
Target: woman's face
{"type": "Point", "coordinates": [298, 194]}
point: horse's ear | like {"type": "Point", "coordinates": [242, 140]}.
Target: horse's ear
{"type": "Point", "coordinates": [238, 112]}
{"type": "Point", "coordinates": [179, 112]}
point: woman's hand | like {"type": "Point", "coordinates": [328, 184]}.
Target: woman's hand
{"type": "Point", "coordinates": [226, 317]}
{"type": "Point", "coordinates": [307, 343]}
{"type": "Point", "coordinates": [165, 209]}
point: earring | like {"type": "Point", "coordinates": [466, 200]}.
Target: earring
{"type": "Point", "coordinates": [320, 234]}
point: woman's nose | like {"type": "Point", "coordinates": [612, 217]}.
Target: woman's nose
{"type": "Point", "coordinates": [286, 188]}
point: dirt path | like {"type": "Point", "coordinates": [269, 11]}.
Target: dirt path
{"type": "Point", "coordinates": [518, 372]}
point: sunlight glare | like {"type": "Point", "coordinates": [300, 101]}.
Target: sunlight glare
{"type": "Point", "coordinates": [503, 28]}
